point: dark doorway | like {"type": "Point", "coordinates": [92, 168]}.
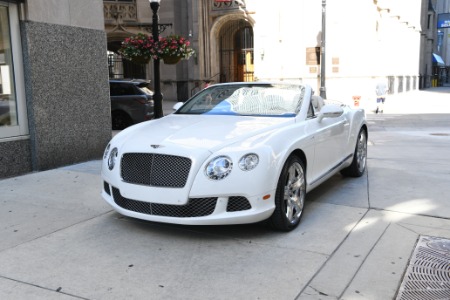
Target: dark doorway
{"type": "Point", "coordinates": [236, 52]}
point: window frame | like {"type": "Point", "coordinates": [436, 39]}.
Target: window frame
{"type": "Point", "coordinates": [20, 130]}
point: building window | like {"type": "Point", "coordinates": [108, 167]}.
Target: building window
{"type": "Point", "coordinates": [13, 121]}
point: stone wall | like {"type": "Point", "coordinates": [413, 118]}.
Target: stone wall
{"type": "Point", "coordinates": [67, 90]}
{"type": "Point", "coordinates": [15, 158]}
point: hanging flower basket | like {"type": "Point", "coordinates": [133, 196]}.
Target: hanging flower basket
{"type": "Point", "coordinates": [141, 48]}
{"type": "Point", "coordinates": [173, 48]}
{"type": "Point", "coordinates": [171, 60]}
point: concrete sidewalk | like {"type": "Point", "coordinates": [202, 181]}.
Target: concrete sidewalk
{"type": "Point", "coordinates": [60, 240]}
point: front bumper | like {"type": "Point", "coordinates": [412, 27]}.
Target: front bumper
{"type": "Point", "coordinates": [221, 210]}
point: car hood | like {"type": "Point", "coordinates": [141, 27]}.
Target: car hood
{"type": "Point", "coordinates": [199, 131]}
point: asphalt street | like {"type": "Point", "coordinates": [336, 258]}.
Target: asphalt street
{"type": "Point", "coordinates": [60, 240]}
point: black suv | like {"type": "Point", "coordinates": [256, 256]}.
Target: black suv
{"type": "Point", "coordinates": [131, 102]}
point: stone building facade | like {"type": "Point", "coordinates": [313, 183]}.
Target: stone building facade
{"type": "Point", "coordinates": [54, 100]}
{"type": "Point", "coordinates": [366, 41]}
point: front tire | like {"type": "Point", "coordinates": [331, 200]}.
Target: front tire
{"type": "Point", "coordinates": [358, 166]}
{"type": "Point", "coordinates": [290, 195]}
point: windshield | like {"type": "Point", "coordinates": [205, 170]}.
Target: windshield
{"type": "Point", "coordinates": [247, 100]}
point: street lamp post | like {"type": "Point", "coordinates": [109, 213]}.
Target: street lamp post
{"type": "Point", "coordinates": [157, 96]}
{"type": "Point", "coordinates": [323, 89]}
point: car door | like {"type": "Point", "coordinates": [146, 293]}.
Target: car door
{"type": "Point", "coordinates": [329, 135]}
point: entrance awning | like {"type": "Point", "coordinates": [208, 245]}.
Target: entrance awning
{"type": "Point", "coordinates": [437, 59]}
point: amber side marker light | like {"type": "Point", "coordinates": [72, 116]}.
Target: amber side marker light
{"type": "Point", "coordinates": [266, 197]}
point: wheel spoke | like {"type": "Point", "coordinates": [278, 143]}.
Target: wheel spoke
{"type": "Point", "coordinates": [291, 174]}
{"type": "Point", "coordinates": [289, 210]}
{"type": "Point", "coordinates": [297, 183]}
{"type": "Point", "coordinates": [297, 204]}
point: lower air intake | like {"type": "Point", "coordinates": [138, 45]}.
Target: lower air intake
{"type": "Point", "coordinates": [237, 203]}
{"type": "Point", "coordinates": [196, 207]}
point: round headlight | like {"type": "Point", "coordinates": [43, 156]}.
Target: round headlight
{"type": "Point", "coordinates": [219, 168]}
{"type": "Point", "coordinates": [105, 155]}
{"type": "Point", "coordinates": [112, 158]}
{"type": "Point", "coordinates": [248, 162]}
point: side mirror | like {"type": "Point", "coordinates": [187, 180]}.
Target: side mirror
{"type": "Point", "coordinates": [330, 111]}
{"type": "Point", "coordinates": [177, 105]}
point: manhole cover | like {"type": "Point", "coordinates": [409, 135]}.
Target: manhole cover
{"type": "Point", "coordinates": [440, 134]}
{"type": "Point", "coordinates": [428, 274]}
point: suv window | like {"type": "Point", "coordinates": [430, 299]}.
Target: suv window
{"type": "Point", "coordinates": [121, 89]}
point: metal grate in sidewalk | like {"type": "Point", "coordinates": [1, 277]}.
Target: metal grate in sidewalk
{"type": "Point", "coordinates": [428, 274]}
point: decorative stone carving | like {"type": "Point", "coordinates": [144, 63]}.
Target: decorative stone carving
{"type": "Point", "coordinates": [218, 5]}
{"type": "Point", "coordinates": [123, 11]}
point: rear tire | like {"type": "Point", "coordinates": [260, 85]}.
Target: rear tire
{"type": "Point", "coordinates": [120, 120]}
{"type": "Point", "coordinates": [358, 166]}
{"type": "Point", "coordinates": [290, 195]}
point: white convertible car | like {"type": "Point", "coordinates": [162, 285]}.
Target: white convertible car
{"type": "Point", "coordinates": [234, 153]}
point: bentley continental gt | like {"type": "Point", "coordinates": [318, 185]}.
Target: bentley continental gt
{"type": "Point", "coordinates": [234, 153]}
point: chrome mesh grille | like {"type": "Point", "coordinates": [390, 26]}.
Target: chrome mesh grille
{"type": "Point", "coordinates": [196, 207]}
{"type": "Point", "coordinates": [238, 203]}
{"type": "Point", "coordinates": [155, 169]}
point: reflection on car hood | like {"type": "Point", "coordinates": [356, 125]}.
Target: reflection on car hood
{"type": "Point", "coordinates": [197, 131]}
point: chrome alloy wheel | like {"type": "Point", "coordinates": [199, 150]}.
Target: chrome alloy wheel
{"type": "Point", "coordinates": [361, 152]}
{"type": "Point", "coordinates": [294, 193]}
